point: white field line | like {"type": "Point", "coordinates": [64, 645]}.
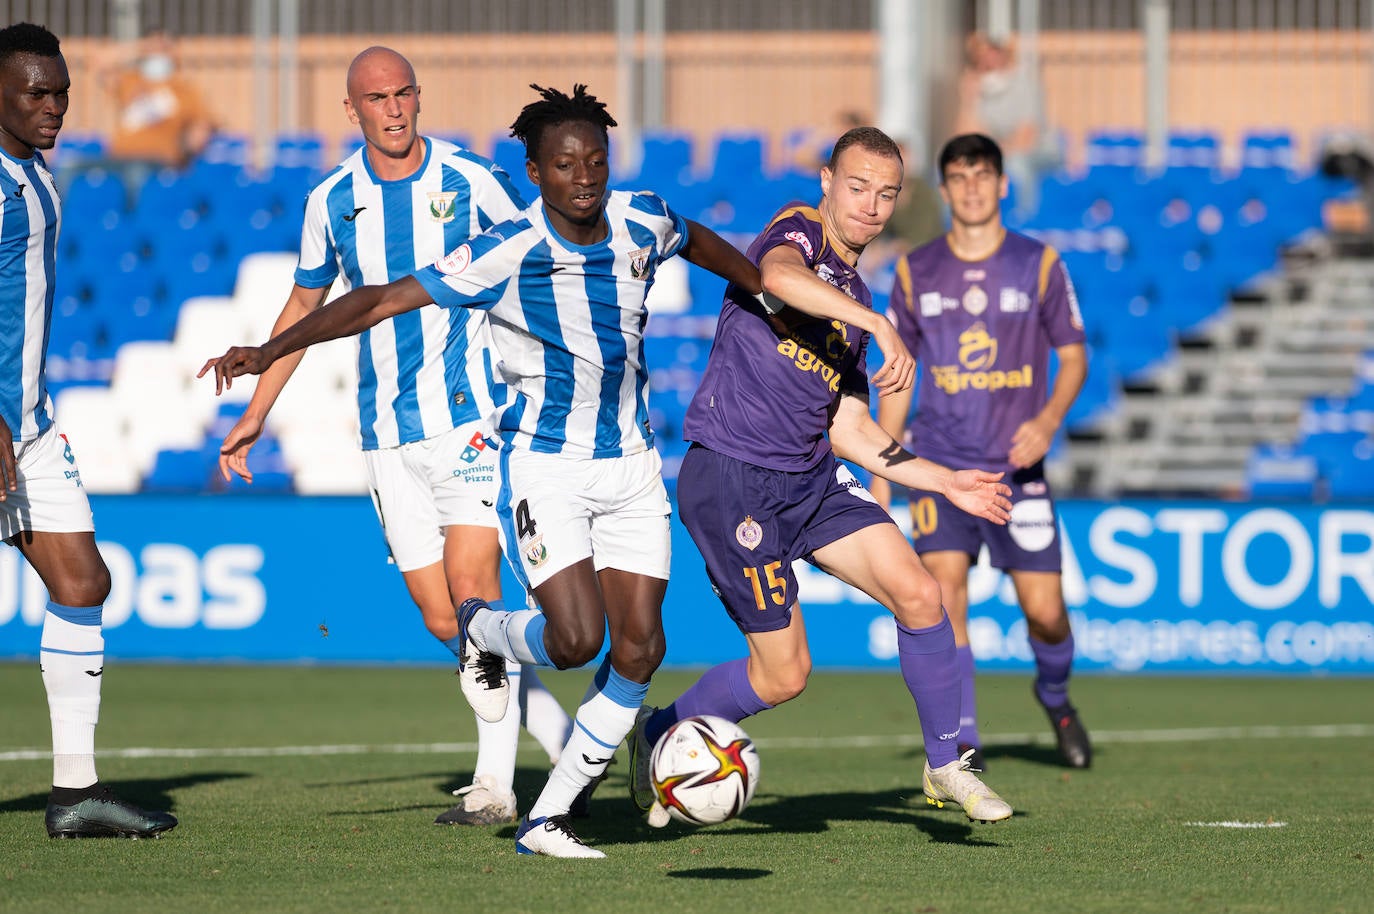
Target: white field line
{"type": "Point", "coordinates": [1194, 734]}
{"type": "Point", "coordinates": [1270, 824]}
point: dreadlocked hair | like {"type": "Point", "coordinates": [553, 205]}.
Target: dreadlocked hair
{"type": "Point", "coordinates": [27, 38]}
{"type": "Point", "coordinates": [555, 107]}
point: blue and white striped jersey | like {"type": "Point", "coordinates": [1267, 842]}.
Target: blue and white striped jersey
{"type": "Point", "coordinates": [568, 321]}
{"type": "Point", "coordinates": [422, 373]}
{"type": "Point", "coordinates": [30, 218]}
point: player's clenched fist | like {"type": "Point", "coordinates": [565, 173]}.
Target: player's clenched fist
{"type": "Point", "coordinates": [239, 360]}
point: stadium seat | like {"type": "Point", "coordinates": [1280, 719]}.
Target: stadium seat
{"type": "Point", "coordinates": [1351, 475]}
{"type": "Point", "coordinates": [666, 161]}
{"type": "Point", "coordinates": [1280, 471]}
{"type": "Point", "coordinates": [93, 194]}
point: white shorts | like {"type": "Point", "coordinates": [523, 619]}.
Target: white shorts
{"type": "Point", "coordinates": [420, 488]}
{"type": "Point", "coordinates": [50, 497]}
{"type": "Point", "coordinates": [557, 510]}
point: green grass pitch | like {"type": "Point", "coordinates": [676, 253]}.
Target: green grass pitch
{"type": "Point", "coordinates": [343, 821]}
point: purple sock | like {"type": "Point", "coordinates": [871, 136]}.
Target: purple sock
{"type": "Point", "coordinates": [1052, 665]}
{"type": "Point", "coordinates": [722, 690]}
{"type": "Point", "coordinates": [930, 666]}
{"type": "Point", "coordinates": [968, 705]}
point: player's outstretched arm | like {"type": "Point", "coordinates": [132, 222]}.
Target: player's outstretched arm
{"type": "Point", "coordinates": [855, 437]}
{"type": "Point", "coordinates": [711, 252]}
{"type": "Point", "coordinates": [233, 451]}
{"type": "Point", "coordinates": [787, 277]}
{"type": "Point", "coordinates": [352, 313]}
{"type": "Point", "coordinates": [9, 479]}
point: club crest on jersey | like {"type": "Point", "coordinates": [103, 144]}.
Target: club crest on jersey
{"type": "Point", "coordinates": [456, 261]}
{"type": "Point", "coordinates": [441, 205]}
{"type": "Point", "coordinates": [639, 262]}
{"type": "Point", "coordinates": [975, 300]}
{"type": "Point", "coordinates": [749, 534]}
{"type": "Point", "coordinates": [801, 241]}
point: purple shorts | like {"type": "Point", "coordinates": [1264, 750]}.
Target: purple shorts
{"type": "Point", "coordinates": [1029, 541]}
{"type": "Point", "coordinates": [751, 523]}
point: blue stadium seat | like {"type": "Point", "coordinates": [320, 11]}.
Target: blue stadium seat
{"type": "Point", "coordinates": [92, 195]}
{"type": "Point", "coordinates": [1351, 475]}
{"type": "Point", "coordinates": [737, 157]}
{"type": "Point", "coordinates": [1331, 448]}
{"type": "Point", "coordinates": [666, 161]}
{"type": "Point", "coordinates": [1280, 471]}
{"type": "Point", "coordinates": [177, 472]}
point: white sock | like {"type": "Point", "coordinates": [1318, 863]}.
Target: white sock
{"type": "Point", "coordinates": [545, 718]}
{"type": "Point", "coordinates": [496, 740]}
{"type": "Point", "coordinates": [73, 661]}
{"type": "Point", "coordinates": [601, 725]}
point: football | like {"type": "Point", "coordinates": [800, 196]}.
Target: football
{"type": "Point", "coordinates": [705, 770]}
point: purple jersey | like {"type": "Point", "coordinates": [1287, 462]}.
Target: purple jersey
{"type": "Point", "coordinates": [766, 399]}
{"type": "Point", "coordinates": [982, 331]}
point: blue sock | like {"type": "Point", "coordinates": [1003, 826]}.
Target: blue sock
{"type": "Point", "coordinates": [724, 691]}
{"type": "Point", "coordinates": [930, 666]}
{"type": "Point", "coordinates": [1053, 662]}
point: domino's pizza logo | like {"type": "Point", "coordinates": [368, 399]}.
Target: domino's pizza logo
{"type": "Point", "coordinates": [474, 449]}
{"type": "Point", "coordinates": [67, 449]}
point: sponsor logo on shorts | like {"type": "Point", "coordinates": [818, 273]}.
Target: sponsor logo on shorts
{"type": "Point", "coordinates": [1038, 487]}
{"type": "Point", "coordinates": [749, 534]}
{"type": "Point", "coordinates": [67, 449]}
{"type": "Point", "coordinates": [476, 445]}
{"type": "Point", "coordinates": [1032, 524]}
{"type": "Point", "coordinates": [845, 477]}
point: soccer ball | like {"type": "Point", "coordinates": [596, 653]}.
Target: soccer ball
{"type": "Point", "coordinates": [705, 770]}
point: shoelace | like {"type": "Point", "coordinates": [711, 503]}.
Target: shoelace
{"type": "Point", "coordinates": [490, 669]}
{"type": "Point", "coordinates": [561, 824]}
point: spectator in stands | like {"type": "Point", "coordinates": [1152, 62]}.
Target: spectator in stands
{"type": "Point", "coordinates": [161, 119]}
{"type": "Point", "coordinates": [424, 391]}
{"type": "Point", "coordinates": [44, 512]}
{"type": "Point", "coordinates": [982, 308]}
{"type": "Point", "coordinates": [1000, 97]}
{"type": "Point", "coordinates": [918, 217]}
{"type": "Point", "coordinates": [808, 148]}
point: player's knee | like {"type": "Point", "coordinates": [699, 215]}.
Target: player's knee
{"type": "Point", "coordinates": [916, 601]}
{"type": "Point", "coordinates": [82, 587]}
{"type": "Point", "coordinates": [638, 658]}
{"type": "Point", "coordinates": [779, 685]}
{"type": "Point", "coordinates": [1051, 628]}
{"type": "Point", "coordinates": [572, 646]}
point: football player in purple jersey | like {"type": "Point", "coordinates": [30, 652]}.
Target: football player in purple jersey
{"type": "Point", "coordinates": [780, 404]}
{"type": "Point", "coordinates": [982, 308]}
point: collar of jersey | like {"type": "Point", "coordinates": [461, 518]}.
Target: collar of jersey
{"type": "Point", "coordinates": [578, 248]}
{"type": "Point", "coordinates": [367, 163]}
{"type": "Point", "coordinates": [35, 159]}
